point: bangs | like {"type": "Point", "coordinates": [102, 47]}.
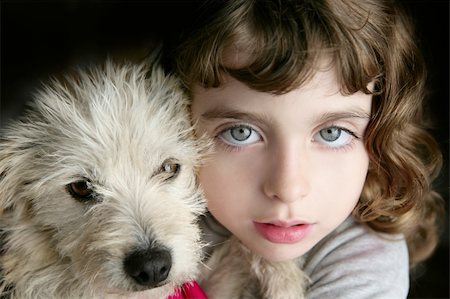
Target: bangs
{"type": "Point", "coordinates": [277, 50]}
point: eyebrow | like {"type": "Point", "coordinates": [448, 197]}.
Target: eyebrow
{"type": "Point", "coordinates": [331, 116]}
{"type": "Point", "coordinates": [223, 113]}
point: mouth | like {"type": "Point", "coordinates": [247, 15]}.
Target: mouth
{"type": "Point", "coordinates": [132, 290]}
{"type": "Point", "coordinates": [282, 232]}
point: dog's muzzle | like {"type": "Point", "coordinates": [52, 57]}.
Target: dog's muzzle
{"type": "Point", "coordinates": [149, 267]}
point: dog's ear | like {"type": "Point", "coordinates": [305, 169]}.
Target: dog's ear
{"type": "Point", "coordinates": [7, 188]}
{"type": "Point", "coordinates": [13, 161]}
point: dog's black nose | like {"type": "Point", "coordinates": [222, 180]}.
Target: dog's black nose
{"type": "Point", "coordinates": [148, 267]}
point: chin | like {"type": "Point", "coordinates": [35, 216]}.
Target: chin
{"type": "Point", "coordinates": [277, 252]}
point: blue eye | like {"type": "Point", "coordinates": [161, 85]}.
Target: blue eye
{"type": "Point", "coordinates": [330, 134]}
{"type": "Point", "coordinates": [334, 136]}
{"type": "Point", "coordinates": [239, 135]}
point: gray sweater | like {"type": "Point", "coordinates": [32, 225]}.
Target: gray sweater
{"type": "Point", "coordinates": [351, 262]}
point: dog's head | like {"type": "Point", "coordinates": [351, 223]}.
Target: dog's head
{"type": "Point", "coordinates": [98, 182]}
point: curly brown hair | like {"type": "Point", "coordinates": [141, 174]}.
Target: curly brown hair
{"type": "Point", "coordinates": [368, 41]}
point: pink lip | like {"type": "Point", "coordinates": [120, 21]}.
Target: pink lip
{"type": "Point", "coordinates": [283, 232]}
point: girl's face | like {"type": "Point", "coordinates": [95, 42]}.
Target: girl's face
{"type": "Point", "coordinates": [287, 169]}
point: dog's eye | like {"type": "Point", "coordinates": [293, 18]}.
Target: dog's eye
{"type": "Point", "coordinates": [170, 168]}
{"type": "Point", "coordinates": [82, 190]}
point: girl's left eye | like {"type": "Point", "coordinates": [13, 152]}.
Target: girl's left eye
{"type": "Point", "coordinates": [334, 136]}
{"type": "Point", "coordinates": [239, 135]}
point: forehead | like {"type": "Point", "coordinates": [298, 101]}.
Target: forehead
{"type": "Point", "coordinates": [319, 96]}
{"type": "Point", "coordinates": [323, 80]}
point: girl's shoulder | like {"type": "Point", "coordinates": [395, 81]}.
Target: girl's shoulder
{"type": "Point", "coordinates": [356, 262]}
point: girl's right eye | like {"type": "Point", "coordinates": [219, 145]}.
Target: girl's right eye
{"type": "Point", "coordinates": [239, 135]}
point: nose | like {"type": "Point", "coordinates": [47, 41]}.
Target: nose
{"type": "Point", "coordinates": [287, 176]}
{"type": "Point", "coordinates": [148, 267]}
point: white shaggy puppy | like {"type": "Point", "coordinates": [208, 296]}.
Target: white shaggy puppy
{"type": "Point", "coordinates": [98, 193]}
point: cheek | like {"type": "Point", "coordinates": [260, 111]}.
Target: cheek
{"type": "Point", "coordinates": [214, 183]}
{"type": "Point", "coordinates": [221, 173]}
{"type": "Point", "coordinates": [342, 181]}
{"type": "Point", "coordinates": [223, 182]}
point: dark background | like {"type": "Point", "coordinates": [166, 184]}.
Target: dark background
{"type": "Point", "coordinates": [42, 38]}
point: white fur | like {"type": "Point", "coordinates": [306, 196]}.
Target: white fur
{"type": "Point", "coordinates": [234, 272]}
{"type": "Point", "coordinates": [114, 125]}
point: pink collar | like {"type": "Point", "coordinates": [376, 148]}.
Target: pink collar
{"type": "Point", "coordinates": [189, 290]}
